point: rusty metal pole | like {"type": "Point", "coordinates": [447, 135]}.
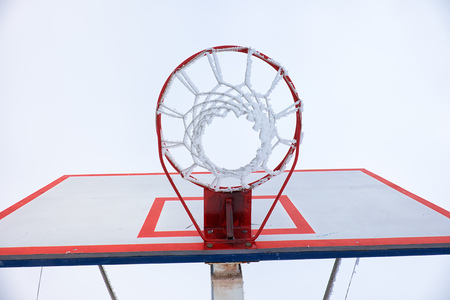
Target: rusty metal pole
{"type": "Point", "coordinates": [227, 282]}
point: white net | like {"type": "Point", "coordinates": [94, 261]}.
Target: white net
{"type": "Point", "coordinates": [217, 85]}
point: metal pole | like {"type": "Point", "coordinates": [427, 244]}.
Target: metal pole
{"type": "Point", "coordinates": [332, 279]}
{"type": "Point", "coordinates": [107, 283]}
{"type": "Point", "coordinates": [227, 282]}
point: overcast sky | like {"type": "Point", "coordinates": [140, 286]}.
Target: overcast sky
{"type": "Point", "coordinates": [79, 81]}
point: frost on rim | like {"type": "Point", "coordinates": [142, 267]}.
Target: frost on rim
{"type": "Point", "coordinates": [193, 111]}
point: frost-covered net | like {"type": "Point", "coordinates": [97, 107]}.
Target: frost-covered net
{"type": "Point", "coordinates": [233, 84]}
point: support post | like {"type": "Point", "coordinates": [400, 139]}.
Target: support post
{"type": "Point", "coordinates": [227, 282]}
{"type": "Point", "coordinates": [332, 279]}
{"type": "Point", "coordinates": [107, 283]}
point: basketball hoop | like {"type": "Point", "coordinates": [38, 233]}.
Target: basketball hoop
{"type": "Point", "coordinates": [201, 90]}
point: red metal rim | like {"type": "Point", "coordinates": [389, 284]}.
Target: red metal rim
{"type": "Point", "coordinates": [273, 64]}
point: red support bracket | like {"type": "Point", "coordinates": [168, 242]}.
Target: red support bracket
{"type": "Point", "coordinates": [227, 215]}
{"type": "Point", "coordinates": [229, 218]}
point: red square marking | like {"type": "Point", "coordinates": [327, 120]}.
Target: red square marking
{"type": "Point", "coordinates": [149, 227]}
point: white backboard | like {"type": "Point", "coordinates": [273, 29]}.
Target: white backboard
{"type": "Point", "coordinates": [137, 218]}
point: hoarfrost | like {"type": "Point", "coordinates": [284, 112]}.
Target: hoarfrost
{"type": "Point", "coordinates": [225, 98]}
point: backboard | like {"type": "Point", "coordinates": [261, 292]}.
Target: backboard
{"type": "Point", "coordinates": [137, 218]}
